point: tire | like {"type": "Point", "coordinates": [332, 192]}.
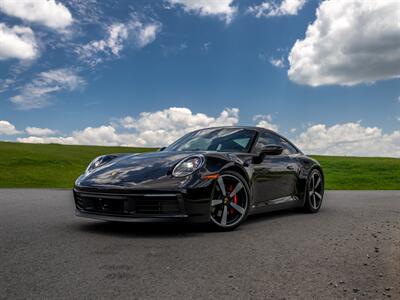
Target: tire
{"type": "Point", "coordinates": [314, 192]}
{"type": "Point", "coordinates": [228, 211]}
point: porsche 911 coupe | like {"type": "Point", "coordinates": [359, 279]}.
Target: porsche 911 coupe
{"type": "Point", "coordinates": [216, 175]}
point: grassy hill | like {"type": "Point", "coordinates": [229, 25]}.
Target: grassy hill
{"type": "Point", "coordinates": [48, 165]}
{"type": "Point", "coordinates": [360, 173]}
{"type": "Point", "coordinates": [57, 166]}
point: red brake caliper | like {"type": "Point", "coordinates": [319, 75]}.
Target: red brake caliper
{"type": "Point", "coordinates": [235, 199]}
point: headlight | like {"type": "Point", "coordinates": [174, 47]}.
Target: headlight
{"type": "Point", "coordinates": [188, 166]}
{"type": "Point", "coordinates": [97, 162]}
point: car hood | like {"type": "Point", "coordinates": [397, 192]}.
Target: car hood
{"type": "Point", "coordinates": [146, 170]}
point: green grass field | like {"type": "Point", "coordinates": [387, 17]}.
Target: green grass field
{"type": "Point", "coordinates": [360, 173]}
{"type": "Point", "coordinates": [57, 166]}
{"type": "Point", "coordinates": [53, 165]}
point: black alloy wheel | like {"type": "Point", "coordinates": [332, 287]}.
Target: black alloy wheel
{"type": "Point", "coordinates": [315, 191]}
{"type": "Point", "coordinates": [230, 201]}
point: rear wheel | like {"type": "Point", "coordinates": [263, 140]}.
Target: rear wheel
{"type": "Point", "coordinates": [314, 192]}
{"type": "Point", "coordinates": [230, 201]}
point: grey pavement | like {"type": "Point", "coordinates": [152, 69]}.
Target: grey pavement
{"type": "Point", "coordinates": [350, 249]}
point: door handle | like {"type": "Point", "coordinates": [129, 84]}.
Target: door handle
{"type": "Point", "coordinates": [290, 167]}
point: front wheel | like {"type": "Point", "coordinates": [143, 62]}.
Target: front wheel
{"type": "Point", "coordinates": [314, 192]}
{"type": "Point", "coordinates": [230, 202]}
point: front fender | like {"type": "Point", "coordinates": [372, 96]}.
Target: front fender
{"type": "Point", "coordinates": [218, 163]}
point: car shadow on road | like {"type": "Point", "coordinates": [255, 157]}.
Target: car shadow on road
{"type": "Point", "coordinates": [270, 216]}
{"type": "Point", "coordinates": [172, 230]}
{"type": "Point", "coordinates": [143, 230]}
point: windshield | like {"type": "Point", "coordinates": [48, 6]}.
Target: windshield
{"type": "Point", "coordinates": [215, 139]}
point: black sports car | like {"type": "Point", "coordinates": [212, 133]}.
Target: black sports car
{"type": "Point", "coordinates": [218, 175]}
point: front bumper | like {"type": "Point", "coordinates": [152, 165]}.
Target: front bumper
{"type": "Point", "coordinates": [116, 218]}
{"type": "Point", "coordinates": [143, 206]}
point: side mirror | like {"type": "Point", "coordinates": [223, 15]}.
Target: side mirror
{"type": "Point", "coordinates": [272, 150]}
{"type": "Point", "coordinates": [267, 150]}
{"type": "Point", "coordinates": [162, 149]}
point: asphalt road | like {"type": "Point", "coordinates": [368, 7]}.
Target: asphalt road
{"type": "Point", "coordinates": [351, 249]}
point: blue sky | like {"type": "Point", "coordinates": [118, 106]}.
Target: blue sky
{"type": "Point", "coordinates": [207, 57]}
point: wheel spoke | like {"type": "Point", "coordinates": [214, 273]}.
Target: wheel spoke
{"type": "Point", "coordinates": [237, 207]}
{"type": "Point", "coordinates": [318, 195]}
{"type": "Point", "coordinates": [224, 215]}
{"type": "Point", "coordinates": [237, 188]}
{"type": "Point", "coordinates": [314, 202]}
{"type": "Point", "coordinates": [310, 193]}
{"type": "Point", "coordinates": [216, 202]}
{"type": "Point", "coordinates": [222, 186]}
{"type": "Point", "coordinates": [318, 182]}
{"type": "Point", "coordinates": [313, 181]}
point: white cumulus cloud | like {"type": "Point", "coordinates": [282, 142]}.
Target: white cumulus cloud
{"type": "Point", "coordinates": [17, 42]}
{"type": "Point", "coordinates": [277, 62]}
{"type": "Point", "coordinates": [349, 139]}
{"type": "Point", "coordinates": [223, 9]}
{"type": "Point", "coordinates": [46, 12]}
{"type": "Point", "coordinates": [6, 128]}
{"type": "Point", "coordinates": [37, 93]}
{"type": "Point", "coordinates": [164, 126]}
{"type": "Point", "coordinates": [265, 121]}
{"type": "Point", "coordinates": [145, 33]}
{"type": "Point", "coordinates": [103, 135]}
{"type": "Point", "coordinates": [36, 131]}
{"type": "Point", "coordinates": [158, 128]}
{"type": "Point", "coordinates": [116, 38]}
{"type": "Point", "coordinates": [350, 42]}
{"type": "Point", "coordinates": [272, 9]}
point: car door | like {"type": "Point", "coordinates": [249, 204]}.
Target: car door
{"type": "Point", "coordinates": [275, 176]}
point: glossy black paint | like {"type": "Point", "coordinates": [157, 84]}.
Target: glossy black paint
{"type": "Point", "coordinates": [276, 182]}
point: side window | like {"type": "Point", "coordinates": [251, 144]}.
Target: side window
{"type": "Point", "coordinates": [266, 138]}
{"type": "Point", "coordinates": [287, 148]}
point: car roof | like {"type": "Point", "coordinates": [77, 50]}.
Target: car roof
{"type": "Point", "coordinates": [255, 128]}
